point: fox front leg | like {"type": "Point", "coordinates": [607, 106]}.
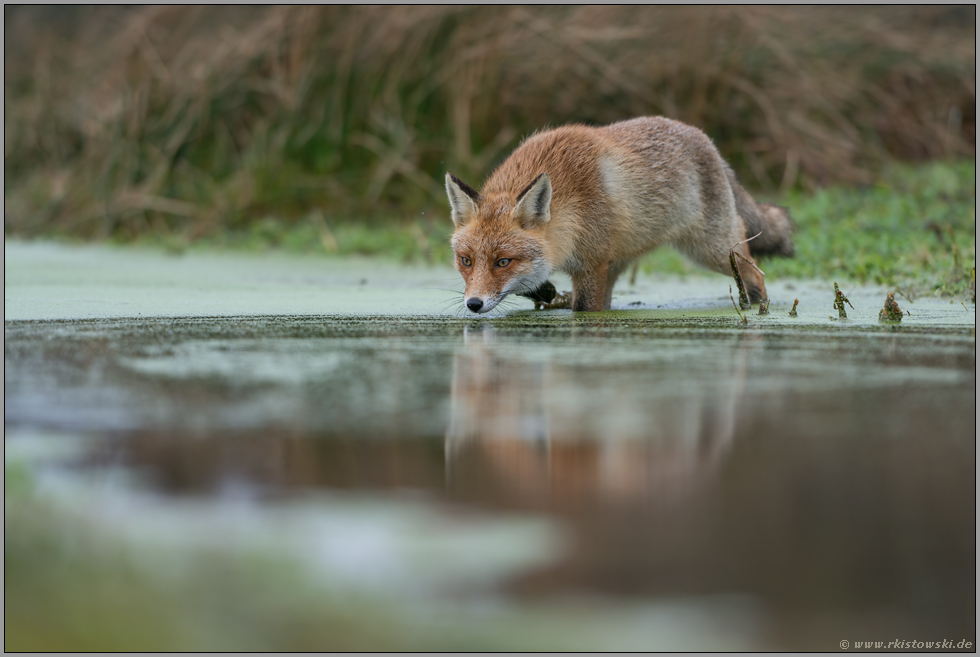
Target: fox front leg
{"type": "Point", "coordinates": [589, 288]}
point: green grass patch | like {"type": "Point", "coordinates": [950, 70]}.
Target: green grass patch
{"type": "Point", "coordinates": [915, 229]}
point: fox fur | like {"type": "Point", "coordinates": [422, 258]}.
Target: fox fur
{"type": "Point", "coordinates": [590, 200]}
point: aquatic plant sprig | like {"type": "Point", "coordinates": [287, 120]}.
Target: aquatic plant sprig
{"type": "Point", "coordinates": [839, 301]}
{"type": "Point", "coordinates": [743, 298]}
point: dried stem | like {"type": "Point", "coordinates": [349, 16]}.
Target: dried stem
{"type": "Point", "coordinates": [839, 301]}
{"type": "Point", "coordinates": [740, 315]}
{"type": "Point", "coordinates": [743, 298]}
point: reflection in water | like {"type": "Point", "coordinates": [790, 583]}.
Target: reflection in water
{"type": "Point", "coordinates": [828, 478]}
{"type": "Point", "coordinates": [722, 467]}
{"type": "Point", "coordinates": [548, 432]}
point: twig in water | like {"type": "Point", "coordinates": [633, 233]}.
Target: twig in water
{"type": "Point", "coordinates": [907, 294]}
{"type": "Point", "coordinates": [764, 307]}
{"type": "Point", "coordinates": [743, 298]}
{"type": "Point", "coordinates": [751, 264]}
{"type": "Point", "coordinates": [792, 311]}
{"type": "Point", "coordinates": [839, 300]}
{"type": "Point", "coordinates": [745, 320]}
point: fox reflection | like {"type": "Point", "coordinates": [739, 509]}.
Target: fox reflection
{"type": "Point", "coordinates": [543, 429]}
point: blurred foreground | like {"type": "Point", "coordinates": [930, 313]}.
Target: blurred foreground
{"type": "Point", "coordinates": [655, 477]}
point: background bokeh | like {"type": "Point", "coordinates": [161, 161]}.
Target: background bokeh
{"type": "Point", "coordinates": [123, 122]}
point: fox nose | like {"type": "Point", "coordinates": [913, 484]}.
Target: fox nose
{"type": "Point", "coordinates": [474, 304]}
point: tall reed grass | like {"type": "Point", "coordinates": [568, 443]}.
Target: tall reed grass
{"type": "Point", "coordinates": [186, 120]}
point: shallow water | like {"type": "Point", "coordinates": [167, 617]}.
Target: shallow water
{"type": "Point", "coordinates": [651, 478]}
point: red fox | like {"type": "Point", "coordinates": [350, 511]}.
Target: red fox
{"type": "Point", "coordinates": [589, 201]}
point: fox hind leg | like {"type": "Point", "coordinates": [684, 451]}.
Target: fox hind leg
{"type": "Point", "coordinates": [615, 269]}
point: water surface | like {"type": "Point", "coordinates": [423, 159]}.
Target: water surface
{"type": "Point", "coordinates": [648, 478]}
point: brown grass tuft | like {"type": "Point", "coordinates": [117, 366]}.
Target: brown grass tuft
{"type": "Point", "coordinates": [189, 120]}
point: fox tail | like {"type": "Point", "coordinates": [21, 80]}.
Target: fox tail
{"type": "Point", "coordinates": [773, 221]}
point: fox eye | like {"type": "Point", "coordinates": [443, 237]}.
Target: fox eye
{"type": "Point", "coordinates": [503, 262]}
{"type": "Point", "coordinates": [466, 261]}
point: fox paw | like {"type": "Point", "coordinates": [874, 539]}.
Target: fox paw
{"type": "Point", "coordinates": [543, 295]}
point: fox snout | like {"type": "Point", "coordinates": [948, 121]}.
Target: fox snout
{"type": "Point", "coordinates": [486, 287]}
{"type": "Point", "coordinates": [481, 303]}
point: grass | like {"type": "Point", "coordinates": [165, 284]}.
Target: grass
{"type": "Point", "coordinates": [915, 229]}
{"type": "Point", "coordinates": [189, 122]}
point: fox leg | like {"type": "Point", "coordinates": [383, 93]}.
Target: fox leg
{"type": "Point", "coordinates": [615, 269]}
{"type": "Point", "coordinates": [589, 288]}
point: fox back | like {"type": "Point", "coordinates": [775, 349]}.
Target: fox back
{"type": "Point", "coordinates": [589, 201]}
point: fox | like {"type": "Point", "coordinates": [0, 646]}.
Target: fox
{"type": "Point", "coordinates": [589, 201]}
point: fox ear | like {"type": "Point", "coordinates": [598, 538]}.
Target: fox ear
{"type": "Point", "coordinates": [534, 203]}
{"type": "Point", "coordinates": [462, 198]}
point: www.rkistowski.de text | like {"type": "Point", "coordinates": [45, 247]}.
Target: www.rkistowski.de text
{"type": "Point", "coordinates": [946, 644]}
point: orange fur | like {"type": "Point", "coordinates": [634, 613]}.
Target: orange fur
{"type": "Point", "coordinates": [589, 201]}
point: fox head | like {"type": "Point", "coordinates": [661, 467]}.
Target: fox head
{"type": "Point", "coordinates": [499, 241]}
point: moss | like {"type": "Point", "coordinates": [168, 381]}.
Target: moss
{"type": "Point", "coordinates": [891, 312]}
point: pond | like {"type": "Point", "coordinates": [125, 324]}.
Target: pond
{"type": "Point", "coordinates": [660, 476]}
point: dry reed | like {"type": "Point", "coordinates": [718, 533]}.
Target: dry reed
{"type": "Point", "coordinates": [189, 120]}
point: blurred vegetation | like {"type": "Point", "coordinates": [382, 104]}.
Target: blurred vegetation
{"type": "Point", "coordinates": [244, 123]}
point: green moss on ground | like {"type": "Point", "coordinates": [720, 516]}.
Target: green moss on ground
{"type": "Point", "coordinates": [915, 229]}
